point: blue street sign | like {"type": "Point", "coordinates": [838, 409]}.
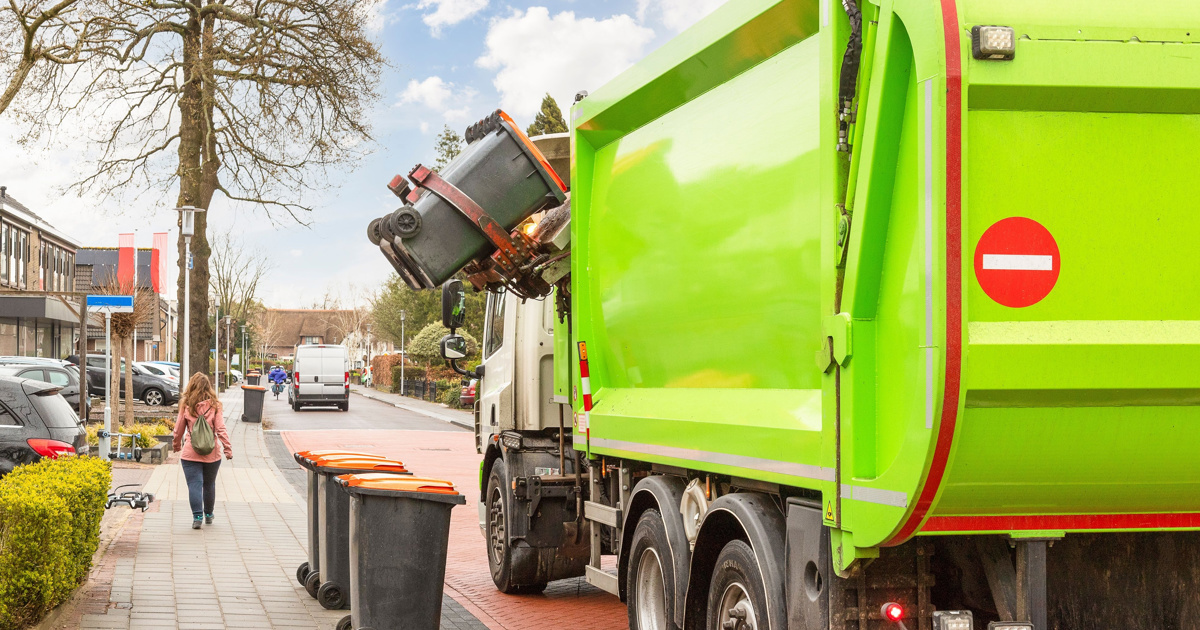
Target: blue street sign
{"type": "Point", "coordinates": [190, 262]}
{"type": "Point", "coordinates": [110, 303]}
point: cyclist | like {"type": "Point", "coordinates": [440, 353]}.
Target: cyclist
{"type": "Point", "coordinates": [277, 376]}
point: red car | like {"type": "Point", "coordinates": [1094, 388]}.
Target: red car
{"type": "Point", "coordinates": [467, 397]}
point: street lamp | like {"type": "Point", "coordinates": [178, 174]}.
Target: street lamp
{"type": "Point", "coordinates": [243, 360]}
{"type": "Point", "coordinates": [228, 343]}
{"type": "Point", "coordinates": [187, 222]}
{"type": "Point", "coordinates": [369, 370]}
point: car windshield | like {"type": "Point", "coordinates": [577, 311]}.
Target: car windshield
{"type": "Point", "coordinates": [55, 411]}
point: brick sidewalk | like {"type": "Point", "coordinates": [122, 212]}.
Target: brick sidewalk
{"type": "Point", "coordinates": [451, 456]}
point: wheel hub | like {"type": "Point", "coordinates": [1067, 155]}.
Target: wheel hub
{"type": "Point", "coordinates": [651, 592]}
{"type": "Point", "coordinates": [496, 532]}
{"type": "Point", "coordinates": [737, 611]}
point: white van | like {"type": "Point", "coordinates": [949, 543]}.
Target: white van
{"type": "Point", "coordinates": [321, 376]}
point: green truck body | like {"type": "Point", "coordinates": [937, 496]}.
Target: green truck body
{"type": "Point", "coordinates": [848, 326]}
{"type": "Point", "coordinates": [707, 194]}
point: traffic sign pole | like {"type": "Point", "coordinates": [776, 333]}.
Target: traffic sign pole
{"type": "Point", "coordinates": [105, 452]}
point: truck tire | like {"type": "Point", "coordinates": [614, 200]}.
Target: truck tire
{"type": "Point", "coordinates": [650, 581]}
{"type": "Point", "coordinates": [737, 596]}
{"type": "Point", "coordinates": [499, 551]}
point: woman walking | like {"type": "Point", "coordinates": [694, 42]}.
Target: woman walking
{"type": "Point", "coordinates": [198, 429]}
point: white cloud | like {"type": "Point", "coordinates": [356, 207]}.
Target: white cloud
{"type": "Point", "coordinates": [439, 96]}
{"type": "Point", "coordinates": [432, 92]}
{"type": "Point", "coordinates": [535, 54]}
{"type": "Point", "coordinates": [424, 127]}
{"type": "Point", "coordinates": [448, 12]}
{"type": "Point", "coordinates": [676, 15]}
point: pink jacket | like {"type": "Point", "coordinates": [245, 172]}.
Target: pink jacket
{"type": "Point", "coordinates": [216, 420]}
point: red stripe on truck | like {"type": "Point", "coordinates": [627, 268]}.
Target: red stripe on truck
{"type": "Point", "coordinates": [945, 436]}
{"type": "Point", "coordinates": [1055, 522]}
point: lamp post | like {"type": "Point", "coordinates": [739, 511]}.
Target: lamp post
{"type": "Point", "coordinates": [228, 344]}
{"type": "Point", "coordinates": [187, 216]}
{"type": "Point", "coordinates": [403, 355]}
{"type": "Point", "coordinates": [243, 360]}
{"type": "Point", "coordinates": [369, 370]}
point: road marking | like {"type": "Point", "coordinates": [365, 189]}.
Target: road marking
{"type": "Point", "coordinates": [1017, 262]}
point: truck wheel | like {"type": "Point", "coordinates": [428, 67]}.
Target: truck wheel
{"type": "Point", "coordinates": [737, 596]}
{"type": "Point", "coordinates": [650, 582]}
{"type": "Point", "coordinates": [499, 551]}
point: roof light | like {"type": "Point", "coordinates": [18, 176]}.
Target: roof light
{"type": "Point", "coordinates": [892, 612]}
{"type": "Point", "coordinates": [993, 42]}
{"type": "Point", "coordinates": [953, 620]}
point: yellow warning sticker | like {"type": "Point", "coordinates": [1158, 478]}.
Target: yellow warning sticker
{"type": "Point", "coordinates": [829, 511]}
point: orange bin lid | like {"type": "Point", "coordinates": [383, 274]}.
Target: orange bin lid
{"type": "Point", "coordinates": [382, 465]}
{"type": "Point", "coordinates": [398, 484]}
{"type": "Point", "coordinates": [255, 388]}
{"type": "Point", "coordinates": [330, 453]}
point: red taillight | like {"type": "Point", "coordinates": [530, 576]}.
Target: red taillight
{"type": "Point", "coordinates": [50, 448]}
{"type": "Point", "coordinates": [893, 611]}
{"type": "Point", "coordinates": [347, 381]}
{"type": "Point", "coordinates": [296, 380]}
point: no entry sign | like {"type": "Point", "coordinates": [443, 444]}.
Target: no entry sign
{"type": "Point", "coordinates": [1017, 262]}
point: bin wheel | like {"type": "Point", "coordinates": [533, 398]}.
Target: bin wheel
{"type": "Point", "coordinates": [312, 583]}
{"type": "Point", "coordinates": [330, 596]}
{"type": "Point", "coordinates": [406, 222]}
{"type": "Point", "coordinates": [346, 623]}
{"type": "Point", "coordinates": [302, 573]}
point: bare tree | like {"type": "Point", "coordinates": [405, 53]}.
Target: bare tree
{"type": "Point", "coordinates": [267, 327]}
{"type": "Point", "coordinates": [237, 272]}
{"type": "Point", "coordinates": [42, 42]}
{"type": "Point", "coordinates": [255, 100]}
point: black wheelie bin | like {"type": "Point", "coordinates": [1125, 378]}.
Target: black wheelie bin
{"type": "Point", "coordinates": [252, 403]}
{"type": "Point", "coordinates": [332, 580]}
{"type": "Point", "coordinates": [399, 531]}
{"type": "Point", "coordinates": [307, 460]}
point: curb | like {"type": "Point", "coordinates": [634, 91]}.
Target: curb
{"type": "Point", "coordinates": [428, 414]}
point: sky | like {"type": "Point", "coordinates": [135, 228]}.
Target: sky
{"type": "Point", "coordinates": [451, 62]}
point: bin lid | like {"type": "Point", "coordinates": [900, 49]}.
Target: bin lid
{"type": "Point", "coordinates": [255, 388]}
{"type": "Point", "coordinates": [308, 459]}
{"type": "Point", "coordinates": [396, 483]}
{"type": "Point", "coordinates": [364, 464]}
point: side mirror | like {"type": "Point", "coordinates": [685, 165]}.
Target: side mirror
{"type": "Point", "coordinates": [454, 305]}
{"type": "Point", "coordinates": [454, 347]}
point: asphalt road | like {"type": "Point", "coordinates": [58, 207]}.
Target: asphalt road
{"type": "Point", "coordinates": [364, 413]}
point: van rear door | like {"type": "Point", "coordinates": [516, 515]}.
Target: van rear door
{"type": "Point", "coordinates": [334, 365]}
{"type": "Point", "coordinates": [308, 366]}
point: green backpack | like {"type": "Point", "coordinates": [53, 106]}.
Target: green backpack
{"type": "Point", "coordinates": [203, 438]}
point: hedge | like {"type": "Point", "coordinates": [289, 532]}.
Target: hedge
{"type": "Point", "coordinates": [49, 530]}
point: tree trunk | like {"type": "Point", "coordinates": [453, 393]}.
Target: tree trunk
{"type": "Point", "coordinates": [130, 352]}
{"type": "Point", "coordinates": [196, 188]}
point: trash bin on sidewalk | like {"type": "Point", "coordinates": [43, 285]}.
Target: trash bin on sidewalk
{"type": "Point", "coordinates": [252, 377]}
{"type": "Point", "coordinates": [397, 586]}
{"type": "Point", "coordinates": [332, 578]}
{"type": "Point", "coordinates": [308, 460]}
{"type": "Point", "coordinates": [252, 403]}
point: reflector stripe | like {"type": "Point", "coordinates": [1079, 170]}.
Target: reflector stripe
{"type": "Point", "coordinates": [1054, 522]}
{"type": "Point", "coordinates": [1018, 262]}
{"type": "Point", "coordinates": [930, 376]}
{"type": "Point", "coordinates": [585, 386]}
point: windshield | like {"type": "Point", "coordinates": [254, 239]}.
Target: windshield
{"type": "Point", "coordinates": [55, 411]}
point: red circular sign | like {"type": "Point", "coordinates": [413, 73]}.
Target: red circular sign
{"type": "Point", "coordinates": [1017, 262]}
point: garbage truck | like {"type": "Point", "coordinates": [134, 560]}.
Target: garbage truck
{"type": "Point", "coordinates": [845, 315]}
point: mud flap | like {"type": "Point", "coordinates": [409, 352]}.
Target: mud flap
{"type": "Point", "coordinates": [809, 567]}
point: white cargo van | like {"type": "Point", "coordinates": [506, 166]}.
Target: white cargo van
{"type": "Point", "coordinates": [321, 376]}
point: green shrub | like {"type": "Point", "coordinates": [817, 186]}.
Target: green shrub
{"type": "Point", "coordinates": [411, 373]}
{"type": "Point", "coordinates": [49, 529]}
{"type": "Point", "coordinates": [449, 393]}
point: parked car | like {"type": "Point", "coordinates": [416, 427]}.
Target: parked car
{"type": "Point", "coordinates": [236, 374]}
{"type": "Point", "coordinates": [64, 377]}
{"type": "Point", "coordinates": [14, 360]}
{"type": "Point", "coordinates": [148, 388]}
{"type": "Point", "coordinates": [36, 422]}
{"type": "Point", "coordinates": [160, 370]}
{"type": "Point", "coordinates": [321, 376]}
{"type": "Point", "coordinates": [467, 397]}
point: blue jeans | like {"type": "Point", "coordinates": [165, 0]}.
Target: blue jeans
{"type": "Point", "coordinates": [202, 485]}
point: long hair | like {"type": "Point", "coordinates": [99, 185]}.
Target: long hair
{"type": "Point", "coordinates": [198, 390]}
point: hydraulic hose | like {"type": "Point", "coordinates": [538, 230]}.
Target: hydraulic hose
{"type": "Point", "coordinates": [848, 85]}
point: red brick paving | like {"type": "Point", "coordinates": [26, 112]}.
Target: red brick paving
{"type": "Point", "coordinates": [451, 456]}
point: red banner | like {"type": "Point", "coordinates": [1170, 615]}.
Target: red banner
{"type": "Point", "coordinates": [158, 263]}
{"type": "Point", "coordinates": [126, 261]}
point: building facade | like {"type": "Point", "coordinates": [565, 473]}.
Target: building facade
{"type": "Point", "coordinates": [96, 267]}
{"type": "Point", "coordinates": [37, 261]}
